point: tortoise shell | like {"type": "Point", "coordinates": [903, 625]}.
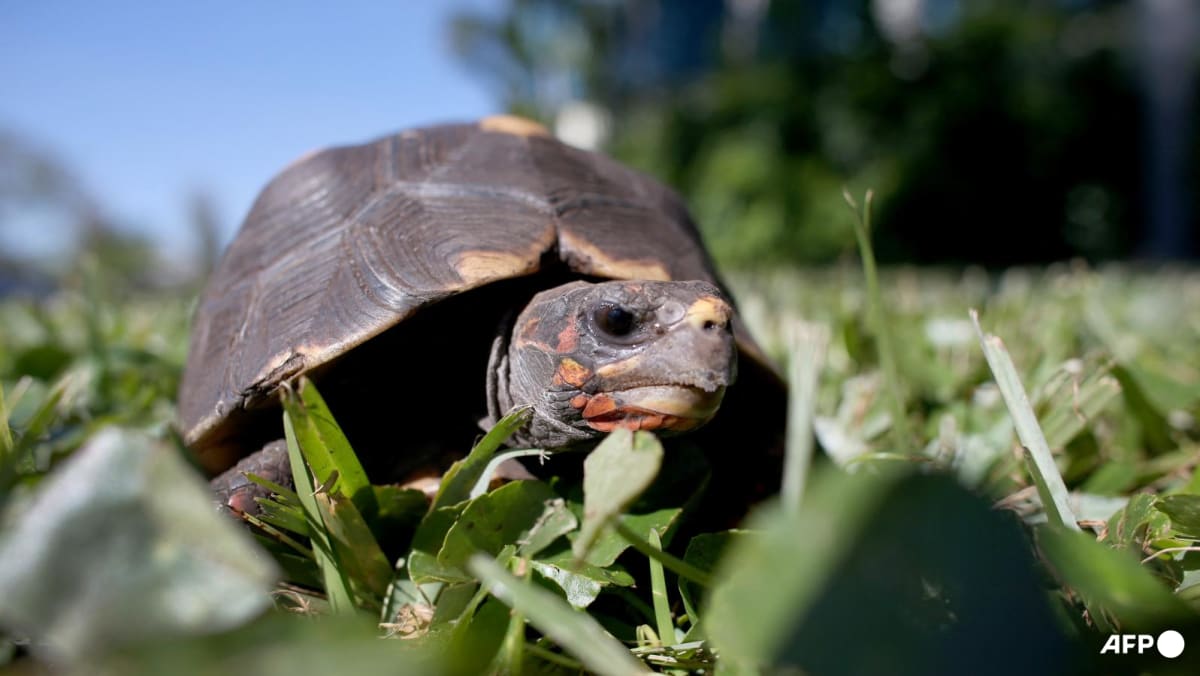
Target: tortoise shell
{"type": "Point", "coordinates": [348, 242]}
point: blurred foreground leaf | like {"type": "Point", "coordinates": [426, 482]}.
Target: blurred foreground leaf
{"type": "Point", "coordinates": [898, 576]}
{"type": "Point", "coordinates": [122, 544]}
{"type": "Point", "coordinates": [276, 645]}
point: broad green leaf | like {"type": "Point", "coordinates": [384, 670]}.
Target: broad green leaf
{"type": "Point", "coordinates": [581, 582]}
{"type": "Point", "coordinates": [556, 520]}
{"type": "Point", "coordinates": [614, 474]}
{"type": "Point", "coordinates": [575, 631]}
{"type": "Point", "coordinates": [580, 590]}
{"type": "Point", "coordinates": [121, 544]}
{"type": "Point", "coordinates": [325, 447]}
{"type": "Point", "coordinates": [427, 542]}
{"type": "Point", "coordinates": [462, 476]}
{"type": "Point", "coordinates": [477, 639]}
{"type": "Point", "coordinates": [610, 574]}
{"type": "Point", "coordinates": [457, 603]}
{"type": "Point", "coordinates": [1127, 527]}
{"type": "Point", "coordinates": [456, 599]}
{"type": "Point", "coordinates": [609, 544]}
{"type": "Point", "coordinates": [1184, 510]}
{"type": "Point", "coordinates": [491, 521]}
{"type": "Point", "coordinates": [1111, 582]}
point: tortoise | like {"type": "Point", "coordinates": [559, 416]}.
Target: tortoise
{"type": "Point", "coordinates": [432, 279]}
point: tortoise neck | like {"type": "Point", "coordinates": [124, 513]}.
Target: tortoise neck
{"type": "Point", "coordinates": [499, 401]}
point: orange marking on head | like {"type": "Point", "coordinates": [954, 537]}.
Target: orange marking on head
{"type": "Point", "coordinates": [568, 338]}
{"type": "Point", "coordinates": [579, 401]}
{"type": "Point", "coordinates": [571, 372]}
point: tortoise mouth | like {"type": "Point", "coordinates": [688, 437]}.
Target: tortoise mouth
{"type": "Point", "coordinates": [672, 408]}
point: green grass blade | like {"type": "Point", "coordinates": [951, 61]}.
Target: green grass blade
{"type": "Point", "coordinates": [1072, 413]}
{"type": "Point", "coordinates": [40, 422]}
{"type": "Point", "coordinates": [287, 495]}
{"type": "Point", "coordinates": [462, 476]}
{"type": "Point", "coordinates": [1050, 486]}
{"type": "Point", "coordinates": [807, 346]}
{"type": "Point", "coordinates": [901, 435]}
{"type": "Point", "coordinates": [361, 559]}
{"type": "Point", "coordinates": [326, 448]}
{"type": "Point", "coordinates": [277, 533]}
{"type": "Point", "coordinates": [485, 478]}
{"type": "Point", "coordinates": [289, 517]}
{"type": "Point", "coordinates": [337, 587]}
{"type": "Point", "coordinates": [658, 591]}
{"type": "Point", "coordinates": [6, 441]}
{"type": "Point", "coordinates": [575, 631]}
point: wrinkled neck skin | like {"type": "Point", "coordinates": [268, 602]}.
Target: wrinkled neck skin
{"type": "Point", "coordinates": [589, 358]}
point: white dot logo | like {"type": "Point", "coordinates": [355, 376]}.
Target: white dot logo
{"type": "Point", "coordinates": [1170, 644]}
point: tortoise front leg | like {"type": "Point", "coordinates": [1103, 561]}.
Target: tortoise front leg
{"type": "Point", "coordinates": [235, 493]}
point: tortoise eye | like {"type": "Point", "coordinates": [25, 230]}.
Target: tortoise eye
{"type": "Point", "coordinates": [614, 320]}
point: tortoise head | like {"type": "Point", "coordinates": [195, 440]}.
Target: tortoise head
{"type": "Point", "coordinates": [636, 354]}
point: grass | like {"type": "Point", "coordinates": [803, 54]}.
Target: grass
{"type": "Point", "coordinates": [952, 549]}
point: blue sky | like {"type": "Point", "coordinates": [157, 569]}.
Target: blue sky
{"type": "Point", "coordinates": [148, 102]}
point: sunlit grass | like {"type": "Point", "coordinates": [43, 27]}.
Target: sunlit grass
{"type": "Point", "coordinates": [1107, 361]}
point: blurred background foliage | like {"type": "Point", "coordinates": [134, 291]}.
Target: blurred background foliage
{"type": "Point", "coordinates": [993, 132]}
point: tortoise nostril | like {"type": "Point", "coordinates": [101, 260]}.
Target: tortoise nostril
{"type": "Point", "coordinates": [710, 325]}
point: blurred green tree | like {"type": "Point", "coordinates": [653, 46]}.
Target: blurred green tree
{"type": "Point", "coordinates": [992, 132]}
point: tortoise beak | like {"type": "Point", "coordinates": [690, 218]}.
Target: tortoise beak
{"type": "Point", "coordinates": [673, 408]}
